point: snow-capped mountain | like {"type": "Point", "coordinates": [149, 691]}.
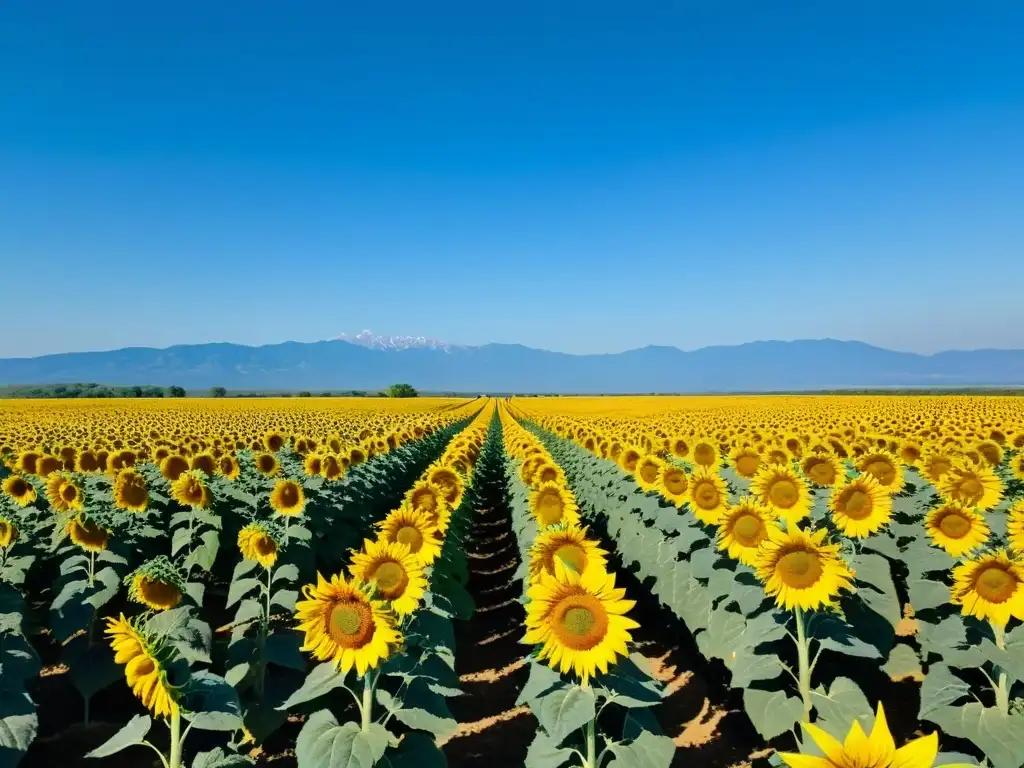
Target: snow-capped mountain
{"type": "Point", "coordinates": [372, 340]}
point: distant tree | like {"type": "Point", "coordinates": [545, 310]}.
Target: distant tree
{"type": "Point", "coordinates": [304, 393]}
{"type": "Point", "coordinates": [325, 394]}
{"type": "Point", "coordinates": [218, 392]}
{"type": "Point", "coordinates": [402, 390]}
{"type": "Point", "coordinates": [176, 391]}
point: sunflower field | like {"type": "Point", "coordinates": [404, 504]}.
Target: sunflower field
{"type": "Point", "coordinates": [597, 582]}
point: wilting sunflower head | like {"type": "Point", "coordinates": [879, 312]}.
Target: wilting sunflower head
{"type": "Point", "coordinates": [190, 490]}
{"type": "Point", "coordinates": [707, 495]}
{"type": "Point", "coordinates": [800, 570]}
{"type": "Point", "coordinates": [972, 486]}
{"type": "Point", "coordinates": [552, 504]}
{"type": "Point", "coordinates": [287, 498]}
{"type": "Point", "coordinates": [673, 483]}
{"type": "Point", "coordinates": [823, 470]}
{"type": "Point", "coordinates": [783, 491]}
{"type": "Point", "coordinates": [859, 750]}
{"type": "Point", "coordinates": [131, 491]}
{"type": "Point", "coordinates": [564, 547]}
{"type": "Point", "coordinates": [648, 470]}
{"type": "Point", "coordinates": [20, 490]}
{"type": "Point", "coordinates": [343, 625]}
{"type": "Point", "coordinates": [580, 621]}
{"type": "Point", "coordinates": [145, 666]}
{"type": "Point", "coordinates": [885, 468]}
{"type": "Point", "coordinates": [267, 464]}
{"type": "Point", "coordinates": [957, 529]}
{"type": "Point", "coordinates": [8, 532]}
{"type": "Point", "coordinates": [87, 533]}
{"type": "Point", "coordinates": [990, 587]}
{"type": "Point", "coordinates": [173, 467]}
{"type": "Point", "coordinates": [861, 507]}
{"type": "Point", "coordinates": [157, 584]}
{"type": "Point", "coordinates": [394, 571]}
{"type": "Point", "coordinates": [258, 544]}
{"type": "Point", "coordinates": [745, 460]}
{"type": "Point", "coordinates": [228, 467]}
{"type": "Point", "coordinates": [415, 529]}
{"type": "Point", "coordinates": [744, 527]}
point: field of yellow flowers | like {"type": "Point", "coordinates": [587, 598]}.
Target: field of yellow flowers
{"type": "Point", "coordinates": [808, 581]}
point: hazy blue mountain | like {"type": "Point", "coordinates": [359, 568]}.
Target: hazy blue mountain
{"type": "Point", "coordinates": [757, 366]}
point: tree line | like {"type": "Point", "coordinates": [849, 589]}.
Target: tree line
{"type": "Point", "coordinates": [44, 391]}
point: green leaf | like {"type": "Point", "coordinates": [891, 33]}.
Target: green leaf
{"type": "Point", "coordinates": [217, 758]}
{"type": "Point", "coordinates": [424, 710]}
{"type": "Point", "coordinates": [323, 679]}
{"type": "Point", "coordinates": [1000, 737]}
{"type": "Point", "coordinates": [240, 588]}
{"type": "Point", "coordinates": [285, 598]}
{"type": "Point", "coordinates": [843, 703]}
{"type": "Point", "coordinates": [836, 635]}
{"type": "Point", "coordinates": [213, 704]}
{"type": "Point", "coordinates": [875, 571]}
{"type": "Point", "coordinates": [564, 710]}
{"type": "Point", "coordinates": [179, 540]}
{"type": "Point", "coordinates": [542, 679]}
{"type": "Point", "coordinates": [417, 750]}
{"type": "Point", "coordinates": [630, 684]}
{"type": "Point", "coordinates": [133, 733]}
{"type": "Point", "coordinates": [940, 689]}
{"type": "Point", "coordinates": [544, 752]}
{"type": "Point", "coordinates": [322, 743]}
{"type": "Point", "coordinates": [248, 610]}
{"type": "Point", "coordinates": [18, 721]}
{"type": "Point", "coordinates": [647, 751]}
{"type": "Point", "coordinates": [772, 712]}
{"type": "Point", "coordinates": [903, 663]}
{"type": "Point", "coordinates": [287, 572]}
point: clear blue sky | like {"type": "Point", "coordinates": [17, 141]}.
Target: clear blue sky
{"type": "Point", "coordinates": [574, 176]}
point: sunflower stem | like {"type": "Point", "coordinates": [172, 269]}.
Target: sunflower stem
{"type": "Point", "coordinates": [175, 758]}
{"type": "Point", "coordinates": [264, 631]}
{"type": "Point", "coordinates": [592, 743]}
{"type": "Point", "coordinates": [1002, 690]}
{"type": "Point", "coordinates": [803, 653]}
{"type": "Point", "coordinates": [92, 568]}
{"type": "Point", "coordinates": [367, 706]}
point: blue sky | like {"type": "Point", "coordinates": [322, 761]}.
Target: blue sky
{"type": "Point", "coordinates": [583, 177]}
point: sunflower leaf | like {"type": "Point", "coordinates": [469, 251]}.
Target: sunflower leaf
{"type": "Point", "coordinates": [838, 707]}
{"type": "Point", "coordinates": [940, 689]}
{"type": "Point", "coordinates": [564, 710]}
{"type": "Point", "coordinates": [772, 712]}
{"type": "Point", "coordinates": [323, 679]}
{"type": "Point", "coordinates": [647, 750]}
{"type": "Point", "coordinates": [999, 736]}
{"type": "Point", "coordinates": [133, 733]}
{"type": "Point", "coordinates": [218, 758]}
{"type": "Point", "coordinates": [213, 703]}
{"type": "Point", "coordinates": [325, 744]}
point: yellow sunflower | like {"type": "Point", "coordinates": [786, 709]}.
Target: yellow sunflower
{"type": "Point", "coordinates": [267, 464]}
{"type": "Point", "coordinates": [153, 592]}
{"type": "Point", "coordinates": [972, 486]}
{"type": "Point", "coordinates": [957, 529]}
{"type": "Point", "coordinates": [205, 463]}
{"type": "Point", "coordinates": [801, 571]}
{"type": "Point", "coordinates": [189, 490]}
{"type": "Point", "coordinates": [579, 620]}
{"type": "Point", "coordinates": [331, 467]}
{"type": "Point", "coordinates": [130, 491]}
{"type": "Point", "coordinates": [143, 670]}
{"type": "Point", "coordinates": [450, 483]}
{"type": "Point", "coordinates": [228, 467]}
{"type": "Point", "coordinates": [87, 534]}
{"type": "Point", "coordinates": [547, 472]}
{"type": "Point", "coordinates": [743, 528]}
{"type": "Point", "coordinates": [991, 452]}
{"type": "Point", "coordinates": [344, 626]}
{"type": "Point", "coordinates": [394, 571]}
{"type": "Point", "coordinates": [1015, 527]}
{"type": "Point", "coordinates": [672, 484]}
{"type": "Point", "coordinates": [783, 491]}
{"type": "Point", "coordinates": [936, 463]}
{"type": "Point", "coordinates": [1017, 465]}
{"type": "Point", "coordinates": [313, 464]}
{"type": "Point", "coordinates": [885, 468]}
{"type": "Point", "coordinates": [707, 495]}
{"type": "Point", "coordinates": [46, 464]}
{"type": "Point", "coordinates": [569, 547]}
{"type": "Point", "coordinates": [860, 507]}
{"type": "Point", "coordinates": [990, 587]}
{"type": "Point", "coordinates": [863, 751]}
{"type": "Point", "coordinates": [173, 467]}
{"type": "Point", "coordinates": [704, 453]}
{"type": "Point", "coordinates": [273, 441]}
{"type": "Point", "coordinates": [414, 529]}
{"type": "Point", "coordinates": [20, 490]}
{"type": "Point", "coordinates": [553, 504]}
{"type": "Point", "coordinates": [257, 545]}
{"type": "Point", "coordinates": [823, 470]}
{"type": "Point", "coordinates": [648, 470]}
{"type": "Point", "coordinates": [628, 459]}
{"type": "Point", "coordinates": [8, 533]}
{"type": "Point", "coordinates": [287, 498]}
{"type": "Point", "coordinates": [745, 460]}
{"type": "Point", "coordinates": [63, 493]}
{"type": "Point", "coordinates": [26, 462]}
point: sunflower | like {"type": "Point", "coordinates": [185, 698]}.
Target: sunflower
{"type": "Point", "coordinates": [87, 534]}
{"type": "Point", "coordinates": [823, 470]}
{"type": "Point", "coordinates": [395, 572]}
{"type": "Point", "coordinates": [860, 507]}
{"type": "Point", "coordinates": [344, 626]}
{"type": "Point", "coordinates": [257, 545]}
{"type": "Point", "coordinates": [205, 463]}
{"type": "Point", "coordinates": [990, 587]}
{"type": "Point", "coordinates": [449, 482]}
{"type": "Point", "coordinates": [130, 491]}
{"type": "Point", "coordinates": [87, 462]}
{"type": "Point", "coordinates": [628, 459]}
{"type": "Point", "coordinates": [935, 464]}
{"type": "Point", "coordinates": [144, 670]}
{"type": "Point", "coordinates": [672, 484]}
{"type": "Point", "coordinates": [885, 468]}
{"type": "Point", "coordinates": [156, 584]}
{"type": "Point", "coordinates": [972, 486]}
{"type": "Point", "coordinates": [800, 571]}
{"type": "Point", "coordinates": [26, 462]}
{"type": "Point", "coordinates": [546, 472]}
{"type": "Point", "coordinates": [425, 497]}
{"type": "Point", "coordinates": [287, 498]}
{"type": "Point", "coordinates": [991, 452]}
{"type": "Point", "coordinates": [228, 467]}
{"type": "Point", "coordinates": [8, 533]}
{"type": "Point", "coordinates": [189, 490]}
{"type": "Point", "coordinates": [862, 751]}
{"type": "Point", "coordinates": [783, 491]}
{"type": "Point", "coordinates": [564, 546]}
{"type": "Point", "coordinates": [20, 490]}
{"type": "Point", "coordinates": [313, 464]}
{"type": "Point", "coordinates": [1017, 465]}
{"type": "Point", "coordinates": [743, 528]}
{"type": "Point", "coordinates": [707, 495]}
{"type": "Point", "coordinates": [579, 618]}
{"type": "Point", "coordinates": [63, 493]}
{"type": "Point", "coordinates": [553, 504]}
{"type": "Point", "coordinates": [173, 467]}
{"type": "Point", "coordinates": [957, 529]}
{"type": "Point", "coordinates": [1015, 527]}
{"type": "Point", "coordinates": [356, 455]}
{"type": "Point", "coordinates": [47, 464]}
{"type": "Point", "coordinates": [331, 467]}
{"type": "Point", "coordinates": [414, 529]}
{"type": "Point", "coordinates": [648, 470]}
{"type": "Point", "coordinates": [910, 453]}
{"type": "Point", "coordinates": [745, 460]}
{"type": "Point", "coordinates": [704, 453]}
{"type": "Point", "coordinates": [267, 464]}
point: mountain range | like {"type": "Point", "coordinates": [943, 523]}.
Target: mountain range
{"type": "Point", "coordinates": [369, 363]}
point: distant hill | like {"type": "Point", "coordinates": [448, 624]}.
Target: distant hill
{"type": "Point", "coordinates": [756, 366]}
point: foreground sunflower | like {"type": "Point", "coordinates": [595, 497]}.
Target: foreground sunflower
{"type": "Point", "coordinates": [885, 468]}
{"type": "Point", "coordinates": [287, 498]}
{"type": "Point", "coordinates": [566, 546]}
{"type": "Point", "coordinates": [800, 570]}
{"type": "Point", "coordinates": [257, 545]}
{"type": "Point", "coordinates": [415, 530]}
{"type": "Point", "coordinates": [957, 529]}
{"type": "Point", "coordinates": [783, 491]}
{"type": "Point", "coordinates": [744, 527]}
{"type": "Point", "coordinates": [972, 486]}
{"type": "Point", "coordinates": [990, 587]}
{"type": "Point", "coordinates": [746, 460]}
{"type": "Point", "coordinates": [144, 669]}
{"type": "Point", "coordinates": [267, 464]}
{"type": "Point", "coordinates": [553, 504]}
{"type": "Point", "coordinates": [228, 467]}
{"type": "Point", "coordinates": [394, 571]}
{"type": "Point", "coordinates": [579, 620]}
{"type": "Point", "coordinates": [130, 491]}
{"type": "Point", "coordinates": [648, 470]}
{"type": "Point", "coordinates": [707, 495]}
{"type": "Point", "coordinates": [859, 750]}
{"type": "Point", "coordinates": [344, 626]}
{"type": "Point", "coordinates": [20, 490]}
{"type": "Point", "coordinates": [190, 490]}
{"type": "Point", "coordinates": [861, 507]}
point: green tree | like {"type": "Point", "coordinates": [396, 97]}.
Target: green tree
{"type": "Point", "coordinates": [176, 391]}
{"type": "Point", "coordinates": [402, 390]}
{"type": "Point", "coordinates": [305, 393]}
{"type": "Point", "coordinates": [218, 392]}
